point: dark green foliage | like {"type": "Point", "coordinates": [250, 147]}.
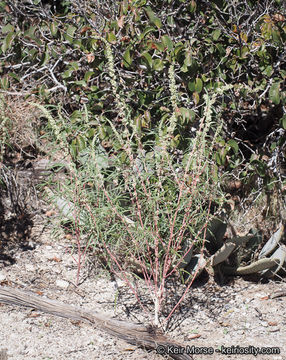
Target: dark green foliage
{"type": "Point", "coordinates": [52, 48]}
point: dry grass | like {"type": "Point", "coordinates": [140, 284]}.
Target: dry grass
{"type": "Point", "coordinates": [21, 120]}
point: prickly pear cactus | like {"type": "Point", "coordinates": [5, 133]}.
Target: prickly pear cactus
{"type": "Point", "coordinates": [240, 256]}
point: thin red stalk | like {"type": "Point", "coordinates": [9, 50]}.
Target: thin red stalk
{"type": "Point", "coordinates": [143, 267]}
{"type": "Point", "coordinates": [195, 274]}
{"type": "Point", "coordinates": [191, 192]}
{"type": "Point", "coordinates": [192, 152]}
{"type": "Point", "coordinates": [80, 254]}
{"type": "Point", "coordinates": [120, 217]}
{"type": "Point", "coordinates": [167, 260]}
{"type": "Point", "coordinates": [138, 207]}
{"type": "Point", "coordinates": [157, 229]}
{"type": "Point", "coordinates": [127, 227]}
{"type": "Point", "coordinates": [185, 218]}
{"type": "Point", "coordinates": [154, 273]}
{"type": "Point", "coordinates": [142, 225]}
{"type": "Point", "coordinates": [118, 265]}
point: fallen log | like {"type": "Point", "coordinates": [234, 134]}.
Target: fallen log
{"type": "Point", "coordinates": [147, 337]}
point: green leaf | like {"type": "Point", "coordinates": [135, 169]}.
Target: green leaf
{"type": "Point", "coordinates": [283, 121]}
{"type": "Point", "coordinates": [88, 75]}
{"type": "Point", "coordinates": [170, 21]}
{"type": "Point", "coordinates": [30, 32]}
{"type": "Point", "coordinates": [77, 43]}
{"type": "Point", "coordinates": [138, 123]}
{"type": "Point", "coordinates": [204, 78]}
{"type": "Point", "coordinates": [147, 30]}
{"type": "Point", "coordinates": [101, 157]}
{"type": "Point", "coordinates": [73, 67]}
{"type": "Point", "coordinates": [111, 37]}
{"type": "Point", "coordinates": [233, 144]}
{"type": "Point", "coordinates": [160, 46]}
{"type": "Point", "coordinates": [178, 49]}
{"type": "Point", "coordinates": [191, 86]}
{"type": "Point", "coordinates": [70, 33]}
{"type": "Point", "coordinates": [196, 97]}
{"type": "Point", "coordinates": [15, 76]}
{"type": "Point", "coordinates": [7, 28]}
{"type": "Point", "coordinates": [54, 28]}
{"type": "Point", "coordinates": [158, 65]}
{"type": "Point", "coordinates": [102, 132]}
{"type": "Point", "coordinates": [148, 59]}
{"type": "Point", "coordinates": [274, 93]}
{"type": "Point", "coordinates": [73, 149]}
{"type": "Point", "coordinates": [175, 140]}
{"type": "Point", "coordinates": [94, 44]}
{"type": "Point", "coordinates": [184, 68]}
{"type": "Point", "coordinates": [91, 133]}
{"type": "Point", "coordinates": [192, 6]}
{"type": "Point", "coordinates": [8, 41]}
{"type": "Point", "coordinates": [81, 143]}
{"type": "Point", "coordinates": [276, 36]}
{"type": "Point", "coordinates": [260, 167]}
{"type": "Point", "coordinates": [45, 57]}
{"type": "Point", "coordinates": [79, 82]}
{"type": "Point", "coordinates": [218, 159]}
{"type": "Point", "coordinates": [221, 49]}
{"type": "Point", "coordinates": [167, 42]}
{"type": "Point", "coordinates": [139, 3]}
{"type": "Point", "coordinates": [66, 74]}
{"type": "Point", "coordinates": [268, 71]}
{"type": "Point", "coordinates": [153, 19]}
{"type": "Point", "coordinates": [127, 58]}
{"type": "Point", "coordinates": [188, 58]}
{"type": "Point", "coordinates": [4, 83]}
{"type": "Point", "coordinates": [187, 115]}
{"type": "Point", "coordinates": [76, 116]}
{"type": "Point", "coordinates": [198, 85]}
{"type": "Point", "coordinates": [216, 34]}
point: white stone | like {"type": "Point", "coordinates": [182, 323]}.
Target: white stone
{"type": "Point", "coordinates": [2, 277]}
{"type": "Point", "coordinates": [62, 284]}
{"type": "Point", "coordinates": [30, 267]}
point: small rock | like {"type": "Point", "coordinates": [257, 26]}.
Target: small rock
{"type": "Point", "coordinates": [30, 267]}
{"type": "Point", "coordinates": [62, 284]}
{"type": "Point", "coordinates": [240, 332]}
{"type": "Point", "coordinates": [120, 283]}
{"type": "Point", "coordinates": [2, 277]}
{"type": "Point", "coordinates": [272, 323]}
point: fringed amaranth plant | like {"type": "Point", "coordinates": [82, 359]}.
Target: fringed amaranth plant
{"type": "Point", "coordinates": [3, 127]}
{"type": "Point", "coordinates": [144, 211]}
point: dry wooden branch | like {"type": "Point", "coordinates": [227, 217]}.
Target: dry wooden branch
{"type": "Point", "coordinates": [146, 337]}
